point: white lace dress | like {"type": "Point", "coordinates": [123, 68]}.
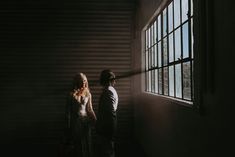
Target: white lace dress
{"type": "Point", "coordinates": [80, 126]}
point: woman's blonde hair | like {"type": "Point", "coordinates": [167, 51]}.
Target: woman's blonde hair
{"type": "Point", "coordinates": [78, 81]}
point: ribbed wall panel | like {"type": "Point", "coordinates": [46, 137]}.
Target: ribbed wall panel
{"type": "Point", "coordinates": [43, 45]}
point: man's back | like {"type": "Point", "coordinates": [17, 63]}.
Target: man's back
{"type": "Point", "coordinates": [107, 117]}
{"type": "Point", "coordinates": [106, 120]}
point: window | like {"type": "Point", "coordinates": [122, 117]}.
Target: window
{"type": "Point", "coordinates": [168, 52]}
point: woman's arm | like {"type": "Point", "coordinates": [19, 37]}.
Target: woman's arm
{"type": "Point", "coordinates": [90, 110]}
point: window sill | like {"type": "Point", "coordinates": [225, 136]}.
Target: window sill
{"type": "Point", "coordinates": [172, 100]}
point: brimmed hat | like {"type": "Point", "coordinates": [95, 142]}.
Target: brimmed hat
{"type": "Point", "coordinates": [106, 76]}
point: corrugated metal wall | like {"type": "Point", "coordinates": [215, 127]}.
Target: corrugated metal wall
{"type": "Point", "coordinates": [43, 44]}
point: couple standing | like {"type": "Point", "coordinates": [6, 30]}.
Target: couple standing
{"type": "Point", "coordinates": [81, 115]}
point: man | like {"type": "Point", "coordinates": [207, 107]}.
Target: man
{"type": "Point", "coordinates": [107, 118]}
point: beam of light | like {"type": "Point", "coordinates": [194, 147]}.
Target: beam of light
{"type": "Point", "coordinates": [125, 75]}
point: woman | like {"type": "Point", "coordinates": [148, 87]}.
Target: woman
{"type": "Point", "coordinates": [81, 115]}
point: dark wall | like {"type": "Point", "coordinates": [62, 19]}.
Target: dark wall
{"type": "Point", "coordinates": [43, 44]}
{"type": "Point", "coordinates": [165, 128]}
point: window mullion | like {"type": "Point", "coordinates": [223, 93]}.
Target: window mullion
{"type": "Point", "coordinates": [173, 31]}
{"type": "Point", "coordinates": [162, 60]}
{"type": "Point", "coordinates": [167, 36]}
{"type": "Point", "coordinates": [190, 48]}
{"type": "Point", "coordinates": [181, 57]}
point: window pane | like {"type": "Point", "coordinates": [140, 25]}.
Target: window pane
{"type": "Point", "coordinates": [149, 37]}
{"type": "Point", "coordinates": [146, 39]}
{"type": "Point", "coordinates": [165, 57]}
{"type": "Point", "coordinates": [152, 81]}
{"type": "Point", "coordinates": [159, 27]}
{"type": "Point", "coordinates": [170, 18]}
{"type": "Point", "coordinates": [146, 82]}
{"type": "Point", "coordinates": [171, 80]}
{"type": "Point", "coordinates": [165, 81]}
{"type": "Point", "coordinates": [184, 5]}
{"type": "Point", "coordinates": [177, 44]}
{"type": "Point", "coordinates": [156, 80]}
{"type": "Point", "coordinates": [176, 13]}
{"type": "Point", "coordinates": [192, 81]}
{"type": "Point", "coordinates": [191, 7]}
{"type": "Point", "coordinates": [155, 56]}
{"type": "Point", "coordinates": [160, 81]}
{"type": "Point", "coordinates": [164, 23]}
{"type": "Point", "coordinates": [149, 59]}
{"type": "Point", "coordinates": [185, 41]}
{"type": "Point", "coordinates": [159, 54]}
{"type": "Point", "coordinates": [152, 36]}
{"type": "Point", "coordinates": [146, 60]}
{"type": "Point", "coordinates": [186, 81]}
{"type": "Point", "coordinates": [146, 68]}
{"type": "Point", "coordinates": [171, 50]}
{"type": "Point", "coordinates": [152, 57]}
{"type": "Point", "coordinates": [192, 39]}
{"type": "Point", "coordinates": [149, 81]}
{"type": "Point", "coordinates": [155, 32]}
{"type": "Point", "coordinates": [178, 80]}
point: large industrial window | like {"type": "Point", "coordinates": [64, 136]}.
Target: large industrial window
{"type": "Point", "coordinates": [168, 52]}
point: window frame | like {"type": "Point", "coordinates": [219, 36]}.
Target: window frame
{"type": "Point", "coordinates": [202, 50]}
{"type": "Point", "coordinates": [162, 7]}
